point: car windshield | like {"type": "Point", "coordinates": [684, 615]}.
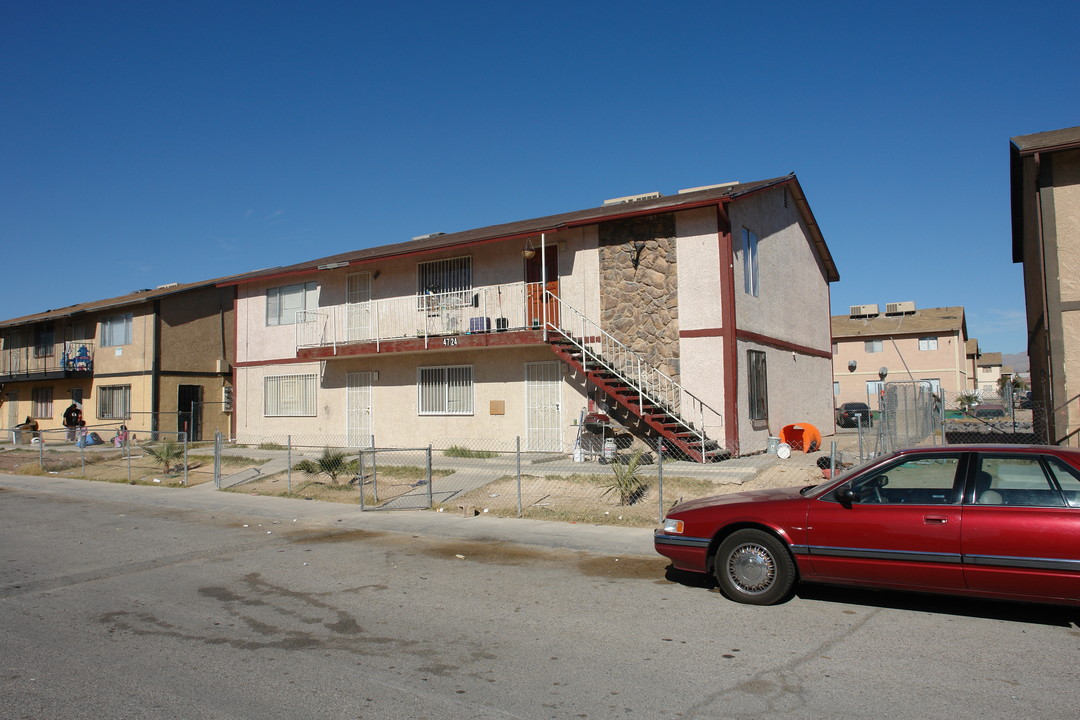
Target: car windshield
{"type": "Point", "coordinates": [842, 473]}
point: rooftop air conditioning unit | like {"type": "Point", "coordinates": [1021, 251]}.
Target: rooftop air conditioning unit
{"type": "Point", "coordinates": [863, 310]}
{"type": "Point", "coordinates": [898, 308]}
{"type": "Point", "coordinates": [633, 198]}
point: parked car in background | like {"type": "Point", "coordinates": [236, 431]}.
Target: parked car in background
{"type": "Point", "coordinates": [990, 411]}
{"type": "Point", "coordinates": [995, 521]}
{"type": "Point", "coordinates": [846, 415]}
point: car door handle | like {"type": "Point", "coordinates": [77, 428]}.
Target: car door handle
{"type": "Point", "coordinates": [935, 519]}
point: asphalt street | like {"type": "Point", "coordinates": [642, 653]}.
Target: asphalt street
{"type": "Point", "coordinates": [122, 601]}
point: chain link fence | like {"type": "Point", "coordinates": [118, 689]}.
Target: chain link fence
{"type": "Point", "coordinates": [111, 452]}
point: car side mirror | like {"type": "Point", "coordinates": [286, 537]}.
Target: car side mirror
{"type": "Point", "coordinates": [845, 496]}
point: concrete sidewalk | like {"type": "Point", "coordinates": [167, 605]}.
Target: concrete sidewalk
{"type": "Point", "coordinates": [599, 539]}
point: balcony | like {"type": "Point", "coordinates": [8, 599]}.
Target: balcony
{"type": "Point", "coordinates": [411, 322]}
{"type": "Point", "coordinates": [71, 359]}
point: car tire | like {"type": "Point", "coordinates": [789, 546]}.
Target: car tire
{"type": "Point", "coordinates": [754, 567]}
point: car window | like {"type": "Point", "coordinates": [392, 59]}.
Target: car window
{"type": "Point", "coordinates": [1068, 479]}
{"type": "Point", "coordinates": [1014, 481]}
{"type": "Point", "coordinates": [917, 481]}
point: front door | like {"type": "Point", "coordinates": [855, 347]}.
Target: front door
{"type": "Point", "coordinates": [902, 529]}
{"type": "Point", "coordinates": [358, 409]}
{"type": "Point", "coordinates": [358, 307]}
{"type": "Point", "coordinates": [542, 306]}
{"type": "Point", "coordinates": [543, 386]}
{"type": "Point", "coordinates": [189, 406]}
{"type": "Point", "coordinates": [12, 409]}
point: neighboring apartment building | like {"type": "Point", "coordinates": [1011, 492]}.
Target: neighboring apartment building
{"type": "Point", "coordinates": [911, 344]}
{"type": "Point", "coordinates": [988, 373]}
{"type": "Point", "coordinates": [1045, 183]}
{"type": "Point", "coordinates": [155, 360]}
{"type": "Point", "coordinates": [701, 317]}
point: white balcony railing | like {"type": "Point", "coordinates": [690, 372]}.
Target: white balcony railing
{"type": "Point", "coordinates": [492, 308]}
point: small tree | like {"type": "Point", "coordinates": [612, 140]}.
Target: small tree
{"type": "Point", "coordinates": [166, 454]}
{"type": "Point", "coordinates": [968, 399]}
{"type": "Point", "coordinates": [1011, 384]}
{"type": "Point", "coordinates": [332, 464]}
{"type": "Point", "coordinates": [630, 486]}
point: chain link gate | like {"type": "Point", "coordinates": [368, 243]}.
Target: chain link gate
{"type": "Point", "coordinates": [907, 415]}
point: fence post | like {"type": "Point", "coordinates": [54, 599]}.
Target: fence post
{"type": "Point", "coordinates": [41, 451]}
{"type": "Point", "coordinates": [660, 475]}
{"type": "Point", "coordinates": [360, 478]}
{"type": "Point", "coordinates": [518, 456]}
{"type": "Point", "coordinates": [430, 496]}
{"type": "Point", "coordinates": [82, 455]}
{"type": "Point", "coordinates": [858, 422]}
{"type": "Point", "coordinates": [185, 438]}
{"type": "Point", "coordinates": [127, 449]}
{"type": "Point", "coordinates": [374, 472]}
{"type": "Point", "coordinates": [217, 459]}
{"type": "Point", "coordinates": [832, 460]}
{"type": "Point", "coordinates": [288, 459]}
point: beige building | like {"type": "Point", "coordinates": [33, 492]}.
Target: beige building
{"type": "Point", "coordinates": [910, 344]}
{"type": "Point", "coordinates": [671, 313]}
{"type": "Point", "coordinates": [153, 360]}
{"type": "Point", "coordinates": [988, 372]}
{"type": "Point", "coordinates": [1045, 184]}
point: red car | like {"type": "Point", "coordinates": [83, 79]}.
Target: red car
{"type": "Point", "coordinates": [994, 521]}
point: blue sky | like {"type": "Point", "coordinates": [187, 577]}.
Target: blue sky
{"type": "Point", "coordinates": [146, 143]}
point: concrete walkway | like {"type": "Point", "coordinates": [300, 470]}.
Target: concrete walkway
{"type": "Point", "coordinates": [289, 513]}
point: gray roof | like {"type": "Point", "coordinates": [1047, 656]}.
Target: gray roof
{"type": "Point", "coordinates": [135, 297]}
{"type": "Point", "coordinates": [551, 223]}
{"type": "Point", "coordinates": [1048, 141]}
{"type": "Point", "coordinates": [946, 319]}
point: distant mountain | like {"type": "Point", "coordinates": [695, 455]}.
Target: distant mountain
{"type": "Point", "coordinates": [1018, 361]}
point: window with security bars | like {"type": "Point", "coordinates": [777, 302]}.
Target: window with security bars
{"type": "Point", "coordinates": [444, 390]}
{"type": "Point", "coordinates": [116, 330]}
{"type": "Point", "coordinates": [443, 276]}
{"type": "Point", "coordinates": [928, 343]}
{"type": "Point", "coordinates": [114, 402]}
{"type": "Point", "coordinates": [289, 395]}
{"type": "Point", "coordinates": [42, 402]}
{"type": "Point", "coordinates": [757, 385]}
{"type": "Point", "coordinates": [283, 304]}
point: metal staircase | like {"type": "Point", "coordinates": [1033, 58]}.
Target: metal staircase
{"type": "Point", "coordinates": [645, 392]}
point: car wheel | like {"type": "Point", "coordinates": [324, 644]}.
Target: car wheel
{"type": "Point", "coordinates": [754, 567]}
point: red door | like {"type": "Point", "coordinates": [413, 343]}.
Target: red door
{"type": "Point", "coordinates": [542, 307]}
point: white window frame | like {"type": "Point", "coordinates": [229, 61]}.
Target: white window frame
{"type": "Point", "coordinates": [873, 346]}
{"type": "Point", "coordinates": [116, 330]}
{"type": "Point", "coordinates": [751, 279]}
{"type": "Point", "coordinates": [928, 343]}
{"type": "Point", "coordinates": [114, 402]}
{"type": "Point", "coordinates": [290, 395]}
{"type": "Point", "coordinates": [285, 302]}
{"type": "Point", "coordinates": [445, 390]}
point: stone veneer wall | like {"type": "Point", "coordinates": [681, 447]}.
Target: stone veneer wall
{"type": "Point", "coordinates": [639, 305]}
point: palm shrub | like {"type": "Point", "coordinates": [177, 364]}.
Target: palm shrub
{"type": "Point", "coordinates": [969, 399]}
{"type": "Point", "coordinates": [332, 463]}
{"type": "Point", "coordinates": [628, 484]}
{"type": "Point", "coordinates": [166, 454]}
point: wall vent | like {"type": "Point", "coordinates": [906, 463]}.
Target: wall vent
{"type": "Point", "coordinates": [899, 308]}
{"type": "Point", "coordinates": [633, 198]}
{"type": "Point", "coordinates": [226, 399]}
{"type": "Point", "coordinates": [863, 310]}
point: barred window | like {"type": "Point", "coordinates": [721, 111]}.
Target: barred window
{"type": "Point", "coordinates": [44, 340]}
{"type": "Point", "coordinates": [757, 385]}
{"type": "Point", "coordinates": [442, 276]}
{"type": "Point", "coordinates": [116, 330]}
{"type": "Point", "coordinates": [114, 402]}
{"type": "Point", "coordinates": [283, 303]}
{"type": "Point", "coordinates": [444, 390]}
{"type": "Point", "coordinates": [928, 343]}
{"type": "Point", "coordinates": [42, 402]}
{"type": "Point", "coordinates": [289, 395]}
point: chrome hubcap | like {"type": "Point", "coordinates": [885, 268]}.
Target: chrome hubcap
{"type": "Point", "coordinates": [751, 568]}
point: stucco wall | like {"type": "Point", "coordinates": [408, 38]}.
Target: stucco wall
{"type": "Point", "coordinates": [498, 376]}
{"type": "Point", "coordinates": [946, 364]}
